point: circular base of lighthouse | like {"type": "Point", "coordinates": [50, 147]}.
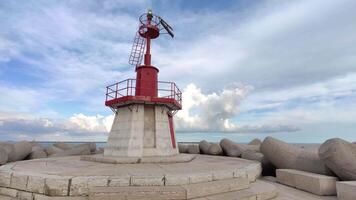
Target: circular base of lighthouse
{"type": "Point", "coordinates": [71, 178]}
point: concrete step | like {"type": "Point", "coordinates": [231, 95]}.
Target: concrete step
{"type": "Point", "coordinates": [291, 193]}
{"type": "Point", "coordinates": [314, 183]}
{"type": "Point", "coordinates": [260, 190]}
{"type": "Point", "coordinates": [189, 191]}
{"type": "Point", "coordinates": [2, 197]}
{"type": "Point", "coordinates": [346, 190]}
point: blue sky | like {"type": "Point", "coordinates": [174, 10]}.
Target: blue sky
{"type": "Point", "coordinates": [247, 68]}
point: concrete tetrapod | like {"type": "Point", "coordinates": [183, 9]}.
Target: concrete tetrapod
{"type": "Point", "coordinates": [63, 145]}
{"type": "Point", "coordinates": [339, 156]}
{"type": "Point", "coordinates": [37, 154]}
{"type": "Point", "coordinates": [183, 148]}
{"type": "Point", "coordinates": [232, 149]}
{"type": "Point", "coordinates": [204, 147]}
{"type": "Point", "coordinates": [255, 142]}
{"type": "Point", "coordinates": [82, 149]}
{"type": "Point", "coordinates": [193, 149]}
{"type": "Point", "coordinates": [3, 156]}
{"type": "Point", "coordinates": [66, 146]}
{"type": "Point", "coordinates": [21, 151]}
{"type": "Point", "coordinates": [267, 167]}
{"type": "Point", "coordinates": [9, 148]}
{"type": "Point", "coordinates": [215, 149]}
{"type": "Point", "coordinates": [287, 156]}
{"type": "Point", "coordinates": [52, 150]}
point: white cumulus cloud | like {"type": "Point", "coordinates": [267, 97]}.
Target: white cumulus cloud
{"type": "Point", "coordinates": [215, 112]}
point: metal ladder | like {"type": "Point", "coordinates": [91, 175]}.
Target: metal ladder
{"type": "Point", "coordinates": [137, 50]}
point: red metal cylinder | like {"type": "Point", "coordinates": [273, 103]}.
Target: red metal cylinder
{"type": "Point", "coordinates": [146, 81]}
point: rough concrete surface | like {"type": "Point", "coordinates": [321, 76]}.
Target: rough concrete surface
{"type": "Point", "coordinates": [288, 156]}
{"type": "Point", "coordinates": [289, 193]}
{"type": "Point", "coordinates": [340, 156]}
{"type": "Point", "coordinates": [72, 177]}
{"type": "Point", "coordinates": [346, 190]}
{"type": "Point", "coordinates": [140, 130]}
{"type": "Point", "coordinates": [310, 182]}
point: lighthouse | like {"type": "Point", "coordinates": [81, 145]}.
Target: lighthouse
{"type": "Point", "coordinates": [144, 107]}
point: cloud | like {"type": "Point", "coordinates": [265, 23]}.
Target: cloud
{"type": "Point", "coordinates": [76, 127]}
{"type": "Point", "coordinates": [215, 112]}
{"type": "Point", "coordinates": [273, 46]}
{"type": "Point", "coordinates": [96, 123]}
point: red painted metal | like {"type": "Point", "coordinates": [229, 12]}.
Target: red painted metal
{"type": "Point", "coordinates": [147, 81]}
{"type": "Point", "coordinates": [167, 93]}
{"type": "Point", "coordinates": [171, 130]}
{"type": "Point", "coordinates": [145, 88]}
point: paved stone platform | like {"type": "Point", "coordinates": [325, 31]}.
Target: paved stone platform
{"type": "Point", "coordinates": [73, 178]}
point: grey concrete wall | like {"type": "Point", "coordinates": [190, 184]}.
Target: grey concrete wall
{"type": "Point", "coordinates": [149, 138]}
{"type": "Point", "coordinates": [142, 130]}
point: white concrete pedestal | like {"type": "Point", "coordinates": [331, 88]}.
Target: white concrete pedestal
{"type": "Point", "coordinates": [141, 130]}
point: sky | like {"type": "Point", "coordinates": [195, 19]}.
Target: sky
{"type": "Point", "coordinates": [247, 69]}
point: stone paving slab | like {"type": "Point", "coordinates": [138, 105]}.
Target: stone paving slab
{"type": "Point", "coordinates": [346, 190]}
{"type": "Point", "coordinates": [259, 190]}
{"type": "Point", "coordinates": [71, 176]}
{"type": "Point", "coordinates": [290, 193]}
{"type": "Point", "coordinates": [315, 183]}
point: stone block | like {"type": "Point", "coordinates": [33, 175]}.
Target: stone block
{"type": "Point", "coordinates": [176, 179]}
{"type": "Point", "coordinates": [19, 181]}
{"type": "Point", "coordinates": [285, 177]}
{"type": "Point", "coordinates": [147, 180]}
{"type": "Point", "coordinates": [200, 177]}
{"type": "Point", "coordinates": [44, 197]}
{"type": "Point", "coordinates": [36, 184]}
{"type": "Point", "coordinates": [240, 173]}
{"type": "Point", "coordinates": [119, 181]}
{"type": "Point", "coordinates": [79, 186]}
{"type": "Point", "coordinates": [346, 190]}
{"type": "Point", "coordinates": [57, 186]}
{"type": "Point", "coordinates": [8, 192]}
{"type": "Point", "coordinates": [96, 181]}
{"type": "Point", "coordinates": [143, 192]}
{"type": "Point", "coordinates": [5, 178]}
{"type": "Point", "coordinates": [215, 187]}
{"type": "Point", "coordinates": [314, 183]}
{"type": "Point", "coordinates": [223, 174]}
{"type": "Point", "coordinates": [21, 195]}
{"type": "Point", "coordinates": [258, 190]}
{"type": "Point", "coordinates": [254, 171]}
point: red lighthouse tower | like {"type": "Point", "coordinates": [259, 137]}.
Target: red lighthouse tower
{"type": "Point", "coordinates": [144, 107]}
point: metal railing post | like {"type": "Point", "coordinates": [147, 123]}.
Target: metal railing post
{"type": "Point", "coordinates": [116, 91]}
{"type": "Point", "coordinates": [127, 87]}
{"type": "Point", "coordinates": [107, 90]}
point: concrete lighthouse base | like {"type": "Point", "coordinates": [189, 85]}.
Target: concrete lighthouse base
{"type": "Point", "coordinates": [70, 178]}
{"type": "Point", "coordinates": [141, 130]}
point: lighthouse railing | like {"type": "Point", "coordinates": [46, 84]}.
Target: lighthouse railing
{"type": "Point", "coordinates": [128, 88]}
